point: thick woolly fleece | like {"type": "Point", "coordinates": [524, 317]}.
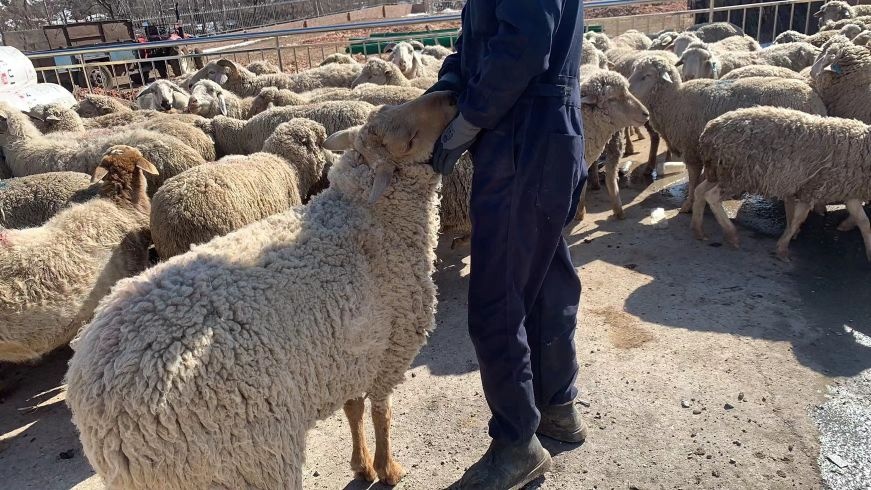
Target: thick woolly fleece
{"type": "Point", "coordinates": [93, 105]}
{"type": "Point", "coordinates": [236, 137]}
{"type": "Point", "coordinates": [274, 97]}
{"type": "Point", "coordinates": [679, 111]}
{"type": "Point", "coordinates": [844, 83]}
{"type": "Point", "coordinates": [827, 160]}
{"type": "Point", "coordinates": [186, 127]}
{"type": "Point", "coordinates": [52, 277]}
{"type": "Point", "coordinates": [247, 84]}
{"type": "Point", "coordinates": [207, 370]}
{"type": "Point", "coordinates": [30, 201]}
{"type": "Point", "coordinates": [763, 71]}
{"type": "Point", "coordinates": [29, 152]}
{"type": "Point", "coordinates": [213, 200]}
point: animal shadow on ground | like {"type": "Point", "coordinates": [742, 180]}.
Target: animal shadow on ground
{"type": "Point", "coordinates": [37, 436]}
{"type": "Point", "coordinates": [704, 286]}
{"type": "Point", "coordinates": [449, 350]}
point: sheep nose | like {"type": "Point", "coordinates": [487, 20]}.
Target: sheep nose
{"type": "Point", "coordinates": [193, 100]}
{"type": "Point", "coordinates": [165, 105]}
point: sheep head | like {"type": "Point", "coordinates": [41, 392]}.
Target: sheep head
{"type": "Point", "coordinates": [121, 171]}
{"type": "Point", "coordinates": [402, 55]}
{"type": "Point", "coordinates": [609, 93]}
{"type": "Point", "coordinates": [682, 41]}
{"type": "Point", "coordinates": [380, 72]}
{"type": "Point", "coordinates": [650, 73]}
{"type": "Point", "coordinates": [698, 62]}
{"type": "Point", "coordinates": [833, 12]}
{"type": "Point", "coordinates": [207, 99]}
{"type": "Point", "coordinates": [161, 95]}
{"type": "Point", "coordinates": [220, 72]}
{"type": "Point", "coordinates": [397, 136]}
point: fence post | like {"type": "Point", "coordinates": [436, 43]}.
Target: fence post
{"type": "Point", "coordinates": [278, 50]}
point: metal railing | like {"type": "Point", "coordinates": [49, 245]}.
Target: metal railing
{"type": "Point", "coordinates": [294, 50]}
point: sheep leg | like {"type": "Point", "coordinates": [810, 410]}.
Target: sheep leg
{"type": "Point", "coordinates": [389, 471]}
{"type": "Point", "coordinates": [654, 150]}
{"type": "Point", "coordinates": [693, 172]}
{"type": "Point", "coordinates": [789, 209]}
{"type": "Point", "coordinates": [848, 224]}
{"type": "Point", "coordinates": [593, 176]}
{"type": "Point", "coordinates": [715, 200]}
{"type": "Point", "coordinates": [630, 148]}
{"type": "Point", "coordinates": [802, 209]}
{"type": "Point", "coordinates": [611, 179]}
{"type": "Point", "coordinates": [638, 134]}
{"type": "Point", "coordinates": [582, 205]}
{"type": "Point", "coordinates": [361, 460]}
{"type": "Point", "coordinates": [699, 204]}
{"type": "Point", "coordinates": [857, 212]}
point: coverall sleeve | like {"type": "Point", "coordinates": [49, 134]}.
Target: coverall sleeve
{"type": "Point", "coordinates": [451, 65]}
{"type": "Point", "coordinates": [517, 53]}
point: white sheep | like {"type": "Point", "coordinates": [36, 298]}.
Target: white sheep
{"type": "Point", "coordinates": [236, 137]}
{"type": "Point", "coordinates": [842, 77]}
{"type": "Point", "coordinates": [52, 276]}
{"type": "Point", "coordinates": [32, 200]}
{"type": "Point", "coordinates": [215, 199]}
{"type": "Point", "coordinates": [262, 67]}
{"type": "Point", "coordinates": [262, 332]}
{"type": "Point", "coordinates": [631, 39]}
{"type": "Point", "coordinates": [710, 32]}
{"type": "Point", "coordinates": [29, 152]}
{"type": "Point", "coordinates": [607, 107]}
{"type": "Point", "coordinates": [270, 97]}
{"type": "Point", "coordinates": [244, 83]}
{"type": "Point", "coordinates": [437, 51]}
{"type": "Point", "coordinates": [340, 58]}
{"type": "Point", "coordinates": [763, 71]}
{"type": "Point", "coordinates": [62, 122]}
{"type": "Point", "coordinates": [826, 160]}
{"type": "Point", "coordinates": [413, 64]}
{"type": "Point", "coordinates": [93, 105]}
{"type": "Point", "coordinates": [836, 10]}
{"type": "Point", "coordinates": [601, 41]}
{"type": "Point", "coordinates": [208, 99]}
{"type": "Point", "coordinates": [162, 95]}
{"type": "Point", "coordinates": [699, 62]}
{"type": "Point", "coordinates": [679, 111]}
{"type": "Point", "coordinates": [381, 72]}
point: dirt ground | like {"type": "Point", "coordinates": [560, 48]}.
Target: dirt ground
{"type": "Point", "coordinates": [700, 365]}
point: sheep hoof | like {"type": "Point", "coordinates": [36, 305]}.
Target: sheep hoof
{"type": "Point", "coordinates": [392, 474]}
{"type": "Point", "coordinates": [783, 255]}
{"type": "Point", "coordinates": [366, 473]}
{"type": "Point", "coordinates": [846, 225]}
{"type": "Point", "coordinates": [619, 215]}
{"type": "Point", "coordinates": [698, 234]}
{"type": "Point", "coordinates": [732, 240]}
{"type": "Point", "coordinates": [686, 207]}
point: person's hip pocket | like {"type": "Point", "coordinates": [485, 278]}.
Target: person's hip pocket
{"type": "Point", "coordinates": [561, 172]}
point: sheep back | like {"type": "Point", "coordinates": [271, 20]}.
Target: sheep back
{"type": "Point", "coordinates": [30, 201]}
{"type": "Point", "coordinates": [215, 199]}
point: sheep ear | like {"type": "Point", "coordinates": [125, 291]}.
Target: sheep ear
{"type": "Point", "coordinates": [667, 77]}
{"type": "Point", "coordinates": [147, 166]}
{"type": "Point", "coordinates": [52, 117]}
{"type": "Point", "coordinates": [417, 45]}
{"type": "Point", "coordinates": [389, 48]}
{"type": "Point", "coordinates": [222, 104]}
{"type": "Point", "coordinates": [98, 174]}
{"type": "Point", "coordinates": [679, 62]}
{"type": "Point", "coordinates": [818, 14]}
{"type": "Point", "coordinates": [342, 140]}
{"type": "Point", "coordinates": [383, 174]}
{"type": "Point", "coordinates": [610, 65]}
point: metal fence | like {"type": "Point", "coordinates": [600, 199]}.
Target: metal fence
{"type": "Point", "coordinates": [293, 50]}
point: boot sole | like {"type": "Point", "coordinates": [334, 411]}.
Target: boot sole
{"type": "Point", "coordinates": [536, 472]}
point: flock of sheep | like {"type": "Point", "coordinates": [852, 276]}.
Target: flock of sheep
{"type": "Point", "coordinates": [243, 251]}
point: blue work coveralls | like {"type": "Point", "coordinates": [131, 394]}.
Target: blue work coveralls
{"type": "Point", "coordinates": [518, 65]}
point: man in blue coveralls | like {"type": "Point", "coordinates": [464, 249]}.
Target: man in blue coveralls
{"type": "Point", "coordinates": [515, 72]}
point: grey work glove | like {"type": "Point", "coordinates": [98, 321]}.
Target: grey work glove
{"type": "Point", "coordinates": [454, 141]}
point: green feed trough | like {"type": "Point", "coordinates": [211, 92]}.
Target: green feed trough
{"type": "Point", "coordinates": [374, 44]}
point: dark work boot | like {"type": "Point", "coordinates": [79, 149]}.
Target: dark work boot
{"type": "Point", "coordinates": [563, 423]}
{"type": "Point", "coordinates": [506, 467]}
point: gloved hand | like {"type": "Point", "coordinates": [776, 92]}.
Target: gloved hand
{"type": "Point", "coordinates": [454, 141]}
{"type": "Point", "coordinates": [449, 81]}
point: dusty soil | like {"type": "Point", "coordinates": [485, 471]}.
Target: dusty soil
{"type": "Point", "coordinates": [700, 364]}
